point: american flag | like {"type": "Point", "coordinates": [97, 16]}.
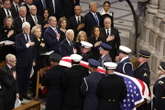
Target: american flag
{"type": "Point", "coordinates": [137, 91]}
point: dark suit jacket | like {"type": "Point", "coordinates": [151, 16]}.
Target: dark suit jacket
{"type": "Point", "coordinates": [90, 22]}
{"type": "Point", "coordinates": [73, 24]}
{"type": "Point", "coordinates": [18, 24]}
{"type": "Point", "coordinates": [59, 8]}
{"type": "Point", "coordinates": [69, 7]}
{"type": "Point", "coordinates": [32, 22]}
{"type": "Point", "coordinates": [50, 39]}
{"type": "Point", "coordinates": [114, 43]}
{"type": "Point", "coordinates": [40, 7]}
{"type": "Point", "coordinates": [65, 48]}
{"type": "Point", "coordinates": [14, 11]}
{"type": "Point", "coordinates": [25, 56]}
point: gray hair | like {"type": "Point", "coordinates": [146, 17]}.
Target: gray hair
{"type": "Point", "coordinates": [26, 24]}
{"type": "Point", "coordinates": [69, 31]}
{"type": "Point", "coordinates": [9, 57]}
{"type": "Point", "coordinates": [35, 27]}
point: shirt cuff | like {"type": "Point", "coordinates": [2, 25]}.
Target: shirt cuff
{"type": "Point", "coordinates": [27, 45]}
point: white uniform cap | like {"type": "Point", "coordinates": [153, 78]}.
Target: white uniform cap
{"type": "Point", "coordinates": [110, 65]}
{"type": "Point", "coordinates": [86, 44]}
{"type": "Point", "coordinates": [76, 57]}
{"type": "Point", "coordinates": [125, 49]}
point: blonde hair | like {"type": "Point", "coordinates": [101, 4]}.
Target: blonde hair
{"type": "Point", "coordinates": [81, 34]}
{"type": "Point", "coordinates": [34, 28]}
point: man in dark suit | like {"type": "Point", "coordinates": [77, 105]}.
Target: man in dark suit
{"type": "Point", "coordinates": [21, 19]}
{"type": "Point", "coordinates": [69, 7]}
{"type": "Point", "coordinates": [15, 7]}
{"type": "Point", "coordinates": [27, 4]}
{"type": "Point", "coordinates": [5, 11]}
{"type": "Point", "coordinates": [56, 8]}
{"type": "Point", "coordinates": [12, 90]}
{"type": "Point", "coordinates": [41, 6]}
{"type": "Point", "coordinates": [77, 22]}
{"type": "Point", "coordinates": [92, 18]}
{"type": "Point", "coordinates": [52, 36]}
{"type": "Point", "coordinates": [34, 18]}
{"type": "Point", "coordinates": [111, 37]}
{"type": "Point", "coordinates": [124, 65]}
{"type": "Point", "coordinates": [66, 46]}
{"type": "Point", "coordinates": [89, 86]}
{"type": "Point", "coordinates": [159, 89]}
{"type": "Point", "coordinates": [25, 57]}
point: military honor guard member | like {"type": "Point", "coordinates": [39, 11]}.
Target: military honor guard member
{"type": "Point", "coordinates": [159, 89]}
{"type": "Point", "coordinates": [104, 52]}
{"type": "Point", "coordinates": [111, 89]}
{"type": "Point", "coordinates": [72, 82]}
{"type": "Point", "coordinates": [89, 86]}
{"type": "Point", "coordinates": [52, 80]}
{"type": "Point", "coordinates": [142, 72]}
{"type": "Point", "coordinates": [124, 65]}
{"type": "Point", "coordinates": [86, 52]}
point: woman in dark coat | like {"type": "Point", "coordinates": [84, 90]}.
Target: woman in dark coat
{"type": "Point", "coordinates": [96, 39]}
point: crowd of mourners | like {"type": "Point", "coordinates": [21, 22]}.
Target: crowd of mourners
{"type": "Point", "coordinates": [53, 39]}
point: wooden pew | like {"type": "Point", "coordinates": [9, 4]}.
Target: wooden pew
{"type": "Point", "coordinates": [32, 105]}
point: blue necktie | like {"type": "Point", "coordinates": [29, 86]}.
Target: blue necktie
{"type": "Point", "coordinates": [96, 19]}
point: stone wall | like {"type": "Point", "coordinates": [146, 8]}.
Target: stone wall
{"type": "Point", "coordinates": [153, 33]}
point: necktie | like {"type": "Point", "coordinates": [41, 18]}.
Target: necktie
{"type": "Point", "coordinates": [35, 19]}
{"type": "Point", "coordinates": [8, 13]}
{"type": "Point", "coordinates": [54, 6]}
{"type": "Point", "coordinates": [27, 38]}
{"type": "Point", "coordinates": [108, 33]}
{"type": "Point", "coordinates": [79, 20]}
{"type": "Point", "coordinates": [57, 34]}
{"type": "Point", "coordinates": [16, 8]}
{"type": "Point", "coordinates": [23, 19]}
{"type": "Point", "coordinates": [44, 4]}
{"type": "Point", "coordinates": [96, 19]}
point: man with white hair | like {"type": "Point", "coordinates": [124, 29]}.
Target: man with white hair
{"type": "Point", "coordinates": [66, 46]}
{"type": "Point", "coordinates": [10, 80]}
{"type": "Point", "coordinates": [25, 57]}
{"type": "Point", "coordinates": [34, 18]}
{"type": "Point", "coordinates": [21, 19]}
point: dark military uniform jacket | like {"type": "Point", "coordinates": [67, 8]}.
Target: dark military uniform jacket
{"type": "Point", "coordinates": [143, 73]}
{"type": "Point", "coordinates": [89, 90]}
{"type": "Point", "coordinates": [111, 91]}
{"type": "Point", "coordinates": [159, 93]}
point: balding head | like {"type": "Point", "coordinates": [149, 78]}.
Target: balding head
{"type": "Point", "coordinates": [107, 22]}
{"type": "Point", "coordinates": [93, 6]}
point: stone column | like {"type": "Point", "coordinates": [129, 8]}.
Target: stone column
{"type": "Point", "coordinates": [153, 6]}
